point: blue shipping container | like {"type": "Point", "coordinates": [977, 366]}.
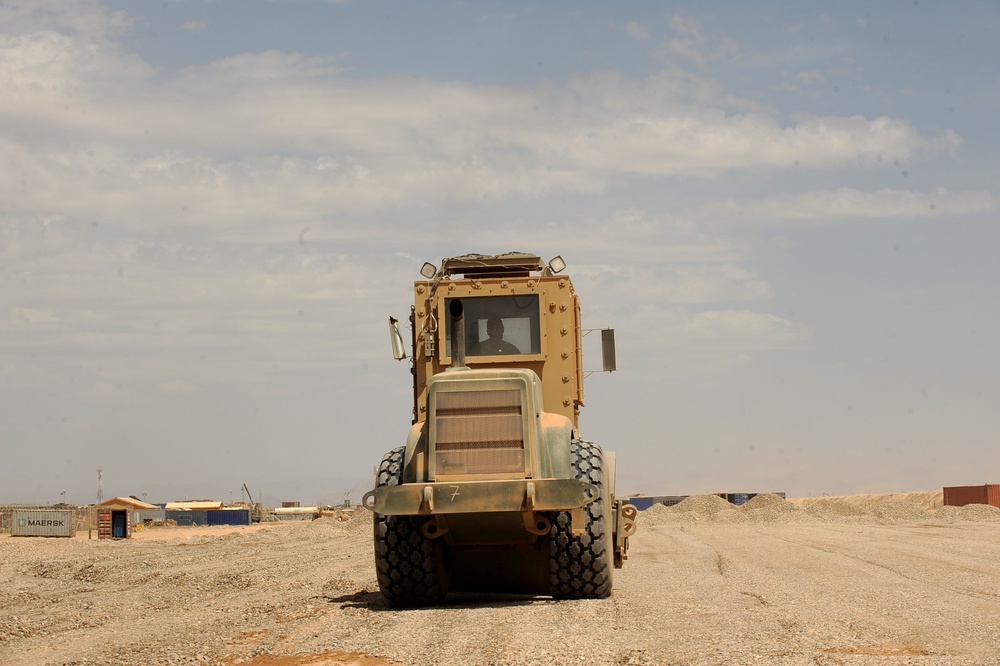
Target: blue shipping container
{"type": "Point", "coordinates": [188, 518]}
{"type": "Point", "coordinates": [641, 503]}
{"type": "Point", "coordinates": [228, 516]}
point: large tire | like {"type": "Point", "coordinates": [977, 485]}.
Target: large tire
{"type": "Point", "coordinates": [580, 567]}
{"type": "Point", "coordinates": [408, 565]}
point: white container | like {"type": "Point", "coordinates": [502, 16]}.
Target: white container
{"type": "Point", "coordinates": [41, 522]}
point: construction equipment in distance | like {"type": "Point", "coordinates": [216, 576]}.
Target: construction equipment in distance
{"type": "Point", "coordinates": [257, 509]}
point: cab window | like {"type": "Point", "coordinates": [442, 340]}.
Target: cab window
{"type": "Point", "coordinates": [498, 325]}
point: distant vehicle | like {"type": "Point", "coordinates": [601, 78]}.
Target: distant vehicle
{"type": "Point", "coordinates": [495, 490]}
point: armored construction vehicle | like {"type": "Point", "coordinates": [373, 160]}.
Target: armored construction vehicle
{"type": "Point", "coordinates": [495, 490]}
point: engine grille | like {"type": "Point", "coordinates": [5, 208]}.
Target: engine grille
{"type": "Point", "coordinates": [479, 432]}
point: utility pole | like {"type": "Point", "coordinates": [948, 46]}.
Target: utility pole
{"type": "Point", "coordinates": [100, 486]}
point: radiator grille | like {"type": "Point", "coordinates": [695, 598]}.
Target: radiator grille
{"type": "Point", "coordinates": [479, 432]}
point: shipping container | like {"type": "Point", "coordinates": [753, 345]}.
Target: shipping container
{"type": "Point", "coordinates": [740, 499]}
{"type": "Point", "coordinates": [143, 516]}
{"type": "Point", "coordinates": [644, 502]}
{"type": "Point", "coordinates": [295, 512]}
{"type": "Point", "coordinates": [187, 518]}
{"type": "Point", "coordinates": [962, 495]}
{"type": "Point", "coordinates": [641, 503]}
{"type": "Point", "coordinates": [114, 523]}
{"type": "Point", "coordinates": [229, 517]}
{"type": "Point", "coordinates": [42, 522]}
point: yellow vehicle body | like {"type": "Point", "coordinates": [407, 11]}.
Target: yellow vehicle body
{"type": "Point", "coordinates": [557, 359]}
{"type": "Point", "coordinates": [494, 488]}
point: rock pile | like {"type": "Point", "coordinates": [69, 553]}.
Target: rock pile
{"type": "Point", "coordinates": [884, 509]}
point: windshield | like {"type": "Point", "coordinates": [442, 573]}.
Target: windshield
{"type": "Point", "coordinates": [498, 325]}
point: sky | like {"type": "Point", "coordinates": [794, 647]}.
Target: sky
{"type": "Point", "coordinates": [208, 210]}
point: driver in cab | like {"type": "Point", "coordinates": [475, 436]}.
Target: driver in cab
{"type": "Point", "coordinates": [495, 344]}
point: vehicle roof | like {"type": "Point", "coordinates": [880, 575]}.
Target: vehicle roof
{"type": "Point", "coordinates": [483, 265]}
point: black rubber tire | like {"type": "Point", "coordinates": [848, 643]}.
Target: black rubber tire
{"type": "Point", "coordinates": [408, 565]}
{"type": "Point", "coordinates": [580, 567]}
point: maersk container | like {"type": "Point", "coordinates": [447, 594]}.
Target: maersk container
{"type": "Point", "coordinates": [41, 522]}
{"type": "Point", "coordinates": [962, 495]}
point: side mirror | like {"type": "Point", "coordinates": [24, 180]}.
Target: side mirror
{"type": "Point", "coordinates": [398, 346]}
{"type": "Point", "coordinates": [608, 349]}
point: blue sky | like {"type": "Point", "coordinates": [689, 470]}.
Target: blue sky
{"type": "Point", "coordinates": [208, 210]}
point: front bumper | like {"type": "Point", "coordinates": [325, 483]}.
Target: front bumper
{"type": "Point", "coordinates": [419, 499]}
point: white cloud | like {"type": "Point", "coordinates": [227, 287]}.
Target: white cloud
{"type": "Point", "coordinates": [668, 284]}
{"type": "Point", "coordinates": [697, 344]}
{"type": "Point", "coordinates": [844, 204]}
{"type": "Point", "coordinates": [118, 143]}
{"type": "Point", "coordinates": [810, 76]}
{"type": "Point", "coordinates": [637, 30]}
{"type": "Point", "coordinates": [89, 20]}
{"type": "Point", "coordinates": [149, 311]}
{"type": "Point", "coordinates": [747, 328]}
{"type": "Point", "coordinates": [694, 45]}
{"type": "Point", "coordinates": [94, 134]}
{"type": "Point", "coordinates": [686, 25]}
{"type": "Point", "coordinates": [687, 48]}
{"type": "Point", "coordinates": [709, 142]}
{"type": "Point", "coordinates": [243, 72]}
{"type": "Point", "coordinates": [98, 145]}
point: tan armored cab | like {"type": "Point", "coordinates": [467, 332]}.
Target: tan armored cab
{"type": "Point", "coordinates": [495, 488]}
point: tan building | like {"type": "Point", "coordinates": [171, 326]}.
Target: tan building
{"type": "Point", "coordinates": [197, 505]}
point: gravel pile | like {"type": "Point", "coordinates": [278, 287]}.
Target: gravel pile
{"type": "Point", "coordinates": [887, 509]}
{"type": "Point", "coordinates": [894, 510]}
{"type": "Point", "coordinates": [979, 513]}
{"type": "Point", "coordinates": [764, 500]}
{"type": "Point", "coordinates": [833, 510]}
{"type": "Point", "coordinates": [771, 508]}
{"type": "Point", "coordinates": [694, 509]}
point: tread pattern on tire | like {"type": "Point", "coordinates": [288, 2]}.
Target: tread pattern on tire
{"type": "Point", "coordinates": [580, 567]}
{"type": "Point", "coordinates": [407, 563]}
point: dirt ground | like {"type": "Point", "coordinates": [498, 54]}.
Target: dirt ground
{"type": "Point", "coordinates": [858, 580]}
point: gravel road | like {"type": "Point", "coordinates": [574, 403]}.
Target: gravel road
{"type": "Point", "coordinates": [775, 582]}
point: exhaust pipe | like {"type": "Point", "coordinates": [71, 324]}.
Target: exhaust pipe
{"type": "Point", "coordinates": [457, 312]}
